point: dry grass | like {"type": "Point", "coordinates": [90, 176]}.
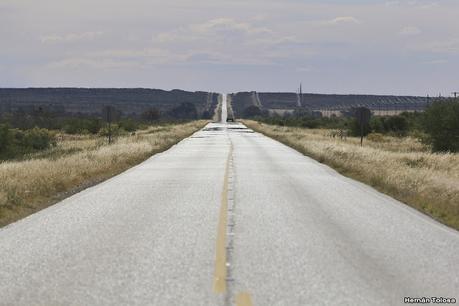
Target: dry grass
{"type": "Point", "coordinates": [75, 163]}
{"type": "Point", "coordinates": [400, 167]}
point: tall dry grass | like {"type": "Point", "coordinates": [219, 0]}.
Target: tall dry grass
{"type": "Point", "coordinates": [77, 162]}
{"type": "Point", "coordinates": [403, 168]}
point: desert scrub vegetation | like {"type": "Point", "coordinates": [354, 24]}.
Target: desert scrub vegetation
{"type": "Point", "coordinates": [16, 143]}
{"type": "Point", "coordinates": [437, 125]}
{"type": "Point", "coordinates": [403, 168]}
{"type": "Point", "coordinates": [76, 162]}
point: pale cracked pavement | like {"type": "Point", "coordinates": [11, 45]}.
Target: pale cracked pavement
{"type": "Point", "coordinates": [298, 234]}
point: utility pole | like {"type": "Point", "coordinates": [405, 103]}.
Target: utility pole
{"type": "Point", "coordinates": [455, 94]}
{"type": "Point", "coordinates": [109, 119]}
{"type": "Point", "coordinates": [299, 101]}
{"type": "Point", "coordinates": [301, 94]}
{"type": "Point", "coordinates": [108, 113]}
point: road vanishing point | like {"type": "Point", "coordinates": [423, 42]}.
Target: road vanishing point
{"type": "Point", "coordinates": [227, 217]}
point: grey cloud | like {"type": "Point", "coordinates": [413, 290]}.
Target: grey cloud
{"type": "Point", "coordinates": [240, 44]}
{"type": "Point", "coordinates": [342, 20]}
{"type": "Point", "coordinates": [70, 37]}
{"type": "Point", "coordinates": [449, 46]}
{"type": "Point", "coordinates": [76, 63]}
{"type": "Point", "coordinates": [218, 28]}
{"type": "Point", "coordinates": [408, 31]}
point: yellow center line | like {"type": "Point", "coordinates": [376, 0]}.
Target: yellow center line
{"type": "Point", "coordinates": [220, 258]}
{"type": "Point", "coordinates": [243, 299]}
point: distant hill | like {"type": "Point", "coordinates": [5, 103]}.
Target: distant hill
{"type": "Point", "coordinates": [320, 102]}
{"type": "Point", "coordinates": [133, 102]}
{"type": "Point", "coordinates": [90, 101]}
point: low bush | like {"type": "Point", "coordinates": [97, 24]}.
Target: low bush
{"type": "Point", "coordinates": [114, 129]}
{"type": "Point", "coordinates": [376, 137]}
{"type": "Point", "coordinates": [38, 139]}
{"type": "Point", "coordinates": [355, 129]}
{"type": "Point", "coordinates": [82, 126]}
{"type": "Point", "coordinates": [15, 143]}
{"type": "Point", "coordinates": [441, 124]}
{"type": "Point", "coordinates": [129, 125]}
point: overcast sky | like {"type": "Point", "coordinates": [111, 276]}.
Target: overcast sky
{"type": "Point", "coordinates": [346, 46]}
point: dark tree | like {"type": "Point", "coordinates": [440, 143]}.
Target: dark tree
{"type": "Point", "coordinates": [206, 115]}
{"type": "Point", "coordinates": [5, 137]}
{"type": "Point", "coordinates": [396, 124]}
{"type": "Point", "coordinates": [441, 123]}
{"type": "Point", "coordinates": [252, 111]}
{"type": "Point", "coordinates": [151, 114]}
{"type": "Point", "coordinates": [184, 111]}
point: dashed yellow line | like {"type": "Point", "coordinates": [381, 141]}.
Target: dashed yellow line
{"type": "Point", "coordinates": [243, 299]}
{"type": "Point", "coordinates": [220, 258]}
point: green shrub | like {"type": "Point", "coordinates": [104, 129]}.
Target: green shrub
{"type": "Point", "coordinates": [184, 111]}
{"type": "Point", "coordinates": [355, 129]}
{"type": "Point", "coordinates": [5, 137]}
{"type": "Point", "coordinates": [397, 125]}
{"type": "Point", "coordinates": [114, 129]}
{"type": "Point", "coordinates": [441, 124]}
{"type": "Point", "coordinates": [310, 123]}
{"type": "Point", "coordinates": [82, 126]}
{"type": "Point", "coordinates": [151, 114]}
{"type": "Point", "coordinates": [377, 124]}
{"type": "Point", "coordinates": [251, 111]}
{"type": "Point", "coordinates": [15, 143]}
{"type": "Point", "coordinates": [37, 139]}
{"type": "Point", "coordinates": [376, 137]}
{"type": "Point", "coordinates": [129, 125]}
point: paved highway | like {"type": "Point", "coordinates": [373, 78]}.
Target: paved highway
{"type": "Point", "coordinates": [292, 231]}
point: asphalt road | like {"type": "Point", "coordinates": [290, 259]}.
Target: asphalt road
{"type": "Point", "coordinates": [298, 233]}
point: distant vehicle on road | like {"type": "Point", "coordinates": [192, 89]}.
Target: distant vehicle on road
{"type": "Point", "coordinates": [230, 119]}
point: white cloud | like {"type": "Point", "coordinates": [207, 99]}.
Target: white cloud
{"type": "Point", "coordinates": [392, 3]}
{"type": "Point", "coordinates": [225, 25]}
{"type": "Point", "coordinates": [303, 69]}
{"type": "Point", "coordinates": [429, 6]}
{"type": "Point", "coordinates": [273, 41]}
{"type": "Point", "coordinates": [450, 46]}
{"type": "Point", "coordinates": [343, 20]}
{"type": "Point", "coordinates": [437, 62]}
{"type": "Point", "coordinates": [71, 37]}
{"type": "Point", "coordinates": [409, 31]}
{"type": "Point", "coordinates": [128, 53]}
{"type": "Point", "coordinates": [419, 4]}
{"type": "Point", "coordinates": [75, 63]}
{"type": "Point", "coordinates": [226, 41]}
{"type": "Point", "coordinates": [227, 28]}
{"type": "Point", "coordinates": [249, 42]}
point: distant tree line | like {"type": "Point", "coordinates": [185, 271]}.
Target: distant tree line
{"type": "Point", "coordinates": [22, 133]}
{"type": "Point", "coordinates": [92, 124]}
{"type": "Point", "coordinates": [241, 101]}
{"type": "Point", "coordinates": [131, 101]}
{"type": "Point", "coordinates": [437, 126]}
